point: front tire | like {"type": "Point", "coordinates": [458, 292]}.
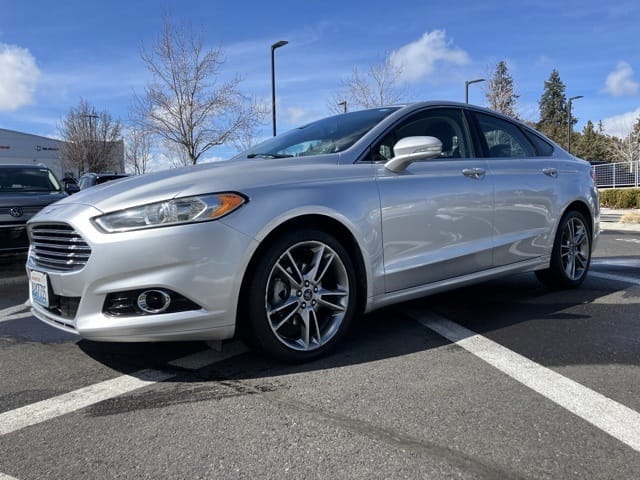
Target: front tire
{"type": "Point", "coordinates": [302, 297]}
{"type": "Point", "coordinates": [571, 254]}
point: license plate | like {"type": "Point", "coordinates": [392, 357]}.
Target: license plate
{"type": "Point", "coordinates": [39, 288]}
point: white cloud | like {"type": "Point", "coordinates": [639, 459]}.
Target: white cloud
{"type": "Point", "coordinates": [418, 59]}
{"type": "Point", "coordinates": [19, 75]}
{"type": "Point", "coordinates": [297, 115]}
{"type": "Point", "coordinates": [620, 81]}
{"type": "Point", "coordinates": [621, 125]}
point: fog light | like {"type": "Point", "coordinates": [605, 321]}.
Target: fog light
{"type": "Point", "coordinates": [154, 301]}
{"type": "Point", "coordinates": [148, 301]}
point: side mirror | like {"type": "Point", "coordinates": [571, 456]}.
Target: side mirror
{"type": "Point", "coordinates": [412, 149]}
{"type": "Point", "coordinates": [71, 188]}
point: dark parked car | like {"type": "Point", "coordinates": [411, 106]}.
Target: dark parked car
{"type": "Point", "coordinates": [91, 179]}
{"type": "Point", "coordinates": [24, 191]}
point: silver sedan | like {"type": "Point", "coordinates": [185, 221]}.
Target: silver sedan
{"type": "Point", "coordinates": [287, 243]}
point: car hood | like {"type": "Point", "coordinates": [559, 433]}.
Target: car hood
{"type": "Point", "coordinates": [29, 199]}
{"type": "Point", "coordinates": [234, 175]}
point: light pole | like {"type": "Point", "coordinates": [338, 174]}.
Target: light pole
{"type": "Point", "coordinates": [279, 44]}
{"type": "Point", "coordinates": [569, 125]}
{"type": "Point", "coordinates": [343, 104]}
{"type": "Point", "coordinates": [466, 87]}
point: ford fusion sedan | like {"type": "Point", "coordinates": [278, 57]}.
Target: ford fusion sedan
{"type": "Point", "coordinates": [24, 190]}
{"type": "Point", "coordinates": [287, 243]}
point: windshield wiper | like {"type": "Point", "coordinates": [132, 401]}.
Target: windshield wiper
{"type": "Point", "coordinates": [268, 155]}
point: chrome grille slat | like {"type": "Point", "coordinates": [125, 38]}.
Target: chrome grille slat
{"type": "Point", "coordinates": [58, 247]}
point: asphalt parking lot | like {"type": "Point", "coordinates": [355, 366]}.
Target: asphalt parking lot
{"type": "Point", "coordinates": [500, 380]}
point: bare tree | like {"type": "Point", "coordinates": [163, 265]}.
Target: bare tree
{"type": "Point", "coordinates": [137, 153]}
{"type": "Point", "coordinates": [627, 149]}
{"type": "Point", "coordinates": [92, 140]}
{"type": "Point", "coordinates": [500, 93]}
{"type": "Point", "coordinates": [379, 86]}
{"type": "Point", "coordinates": [186, 104]}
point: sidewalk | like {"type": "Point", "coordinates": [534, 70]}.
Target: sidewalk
{"type": "Point", "coordinates": [610, 219]}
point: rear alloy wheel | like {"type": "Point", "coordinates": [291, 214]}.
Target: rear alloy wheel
{"type": "Point", "coordinates": [302, 296]}
{"type": "Point", "coordinates": [571, 254]}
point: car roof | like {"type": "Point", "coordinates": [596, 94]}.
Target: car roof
{"type": "Point", "coordinates": [24, 165]}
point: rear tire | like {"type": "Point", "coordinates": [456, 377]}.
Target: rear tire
{"type": "Point", "coordinates": [302, 296]}
{"type": "Point", "coordinates": [571, 254]}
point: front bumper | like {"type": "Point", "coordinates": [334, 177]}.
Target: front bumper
{"type": "Point", "coordinates": [202, 262]}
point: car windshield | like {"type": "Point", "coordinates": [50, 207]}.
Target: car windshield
{"type": "Point", "coordinates": [20, 179]}
{"type": "Point", "coordinates": [329, 135]}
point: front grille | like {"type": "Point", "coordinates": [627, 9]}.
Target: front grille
{"type": "Point", "coordinates": [59, 247]}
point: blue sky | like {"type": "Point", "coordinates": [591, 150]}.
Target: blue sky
{"type": "Point", "coordinates": [54, 53]}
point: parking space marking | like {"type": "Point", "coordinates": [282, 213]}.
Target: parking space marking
{"type": "Point", "coordinates": [51, 408]}
{"type": "Point", "coordinates": [16, 316]}
{"type": "Point", "coordinates": [14, 309]}
{"type": "Point", "coordinates": [4, 476]}
{"type": "Point", "coordinates": [618, 278]}
{"type": "Point", "coordinates": [617, 420]}
{"type": "Point", "coordinates": [208, 357]}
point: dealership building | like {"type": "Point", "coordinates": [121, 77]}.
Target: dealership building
{"type": "Point", "coordinates": [25, 148]}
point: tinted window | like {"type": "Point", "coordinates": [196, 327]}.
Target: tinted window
{"type": "Point", "coordinates": [543, 148]}
{"type": "Point", "coordinates": [19, 179]}
{"type": "Point", "coordinates": [503, 138]}
{"type": "Point", "coordinates": [446, 124]}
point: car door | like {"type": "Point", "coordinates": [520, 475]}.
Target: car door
{"type": "Point", "coordinates": [437, 215]}
{"type": "Point", "coordinates": [524, 181]}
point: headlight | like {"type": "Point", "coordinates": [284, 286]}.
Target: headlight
{"type": "Point", "coordinates": [177, 211]}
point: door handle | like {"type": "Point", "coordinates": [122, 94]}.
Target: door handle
{"type": "Point", "coordinates": [476, 173]}
{"type": "Point", "coordinates": [551, 172]}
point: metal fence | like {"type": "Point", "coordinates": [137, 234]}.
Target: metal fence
{"type": "Point", "coordinates": [614, 175]}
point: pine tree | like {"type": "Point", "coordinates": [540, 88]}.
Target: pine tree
{"type": "Point", "coordinates": [501, 96]}
{"type": "Point", "coordinates": [592, 144]}
{"type": "Point", "coordinates": [553, 110]}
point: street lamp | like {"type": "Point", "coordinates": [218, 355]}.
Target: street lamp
{"type": "Point", "coordinates": [343, 104]}
{"type": "Point", "coordinates": [569, 125]}
{"type": "Point", "coordinates": [466, 87]}
{"type": "Point", "coordinates": [279, 44]}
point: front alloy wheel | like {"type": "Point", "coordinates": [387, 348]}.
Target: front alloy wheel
{"type": "Point", "coordinates": [302, 296]}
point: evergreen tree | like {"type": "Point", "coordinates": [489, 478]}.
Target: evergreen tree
{"type": "Point", "coordinates": [553, 110]}
{"type": "Point", "coordinates": [501, 96]}
{"type": "Point", "coordinates": [592, 144]}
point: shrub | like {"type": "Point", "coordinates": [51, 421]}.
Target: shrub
{"type": "Point", "coordinates": [620, 197]}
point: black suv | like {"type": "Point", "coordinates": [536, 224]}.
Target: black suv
{"type": "Point", "coordinates": [90, 179]}
{"type": "Point", "coordinates": [24, 191]}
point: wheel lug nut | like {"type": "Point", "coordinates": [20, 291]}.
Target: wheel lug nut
{"type": "Point", "coordinates": [299, 293]}
{"type": "Point", "coordinates": [306, 283]}
{"type": "Point", "coordinates": [304, 305]}
{"type": "Point", "coordinates": [315, 289]}
{"type": "Point", "coordinates": [313, 302]}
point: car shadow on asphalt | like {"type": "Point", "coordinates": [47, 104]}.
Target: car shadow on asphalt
{"type": "Point", "coordinates": [550, 327]}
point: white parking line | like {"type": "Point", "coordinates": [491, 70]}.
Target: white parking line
{"type": "Point", "coordinates": [38, 412]}
{"type": "Point", "coordinates": [4, 476]}
{"type": "Point", "coordinates": [608, 415]}
{"type": "Point", "coordinates": [14, 309]}
{"type": "Point", "coordinates": [618, 278]}
{"type": "Point", "coordinates": [16, 316]}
